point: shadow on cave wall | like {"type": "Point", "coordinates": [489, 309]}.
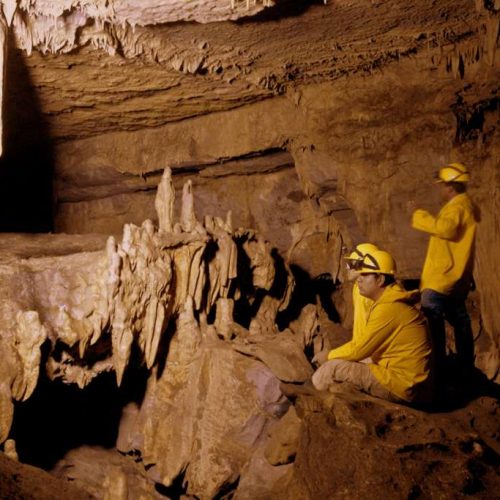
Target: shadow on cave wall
{"type": "Point", "coordinates": [27, 162]}
{"type": "Point", "coordinates": [60, 417]}
{"type": "Point", "coordinates": [281, 9]}
{"type": "Point", "coordinates": [308, 290]}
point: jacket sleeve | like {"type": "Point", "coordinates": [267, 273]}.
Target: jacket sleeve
{"type": "Point", "coordinates": [377, 329]}
{"type": "Point", "coordinates": [444, 226]}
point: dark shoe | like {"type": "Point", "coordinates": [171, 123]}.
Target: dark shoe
{"type": "Point", "coordinates": [294, 390]}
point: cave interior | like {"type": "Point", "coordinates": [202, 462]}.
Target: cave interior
{"type": "Point", "coordinates": [179, 185]}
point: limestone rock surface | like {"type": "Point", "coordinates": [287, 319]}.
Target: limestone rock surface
{"type": "Point", "coordinates": [24, 481]}
{"type": "Point", "coordinates": [354, 445]}
{"type": "Point", "coordinates": [312, 123]}
{"type": "Point", "coordinates": [167, 298]}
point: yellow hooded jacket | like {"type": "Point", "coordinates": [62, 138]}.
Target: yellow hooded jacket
{"type": "Point", "coordinates": [450, 255]}
{"type": "Point", "coordinates": [395, 336]}
{"type": "Point", "coordinates": [361, 307]}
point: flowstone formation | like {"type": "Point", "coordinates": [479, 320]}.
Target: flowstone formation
{"type": "Point", "coordinates": [170, 295]}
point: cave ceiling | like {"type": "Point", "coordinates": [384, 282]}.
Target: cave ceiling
{"type": "Point", "coordinates": [99, 66]}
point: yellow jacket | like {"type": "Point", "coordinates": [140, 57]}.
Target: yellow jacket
{"type": "Point", "coordinates": [361, 307]}
{"type": "Point", "coordinates": [395, 336]}
{"type": "Point", "coordinates": [450, 255]}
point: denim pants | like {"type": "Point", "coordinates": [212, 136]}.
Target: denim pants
{"type": "Point", "coordinates": [437, 308]}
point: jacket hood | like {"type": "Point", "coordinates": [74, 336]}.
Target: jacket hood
{"type": "Point", "coordinates": [461, 199]}
{"type": "Point", "coordinates": [396, 293]}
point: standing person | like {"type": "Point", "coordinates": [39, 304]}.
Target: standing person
{"type": "Point", "coordinates": [394, 336]}
{"type": "Point", "coordinates": [447, 273]}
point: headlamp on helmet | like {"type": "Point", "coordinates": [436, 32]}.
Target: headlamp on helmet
{"type": "Point", "coordinates": [355, 258]}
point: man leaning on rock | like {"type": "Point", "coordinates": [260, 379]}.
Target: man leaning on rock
{"type": "Point", "coordinates": [394, 336]}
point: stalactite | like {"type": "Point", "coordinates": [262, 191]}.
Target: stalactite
{"type": "Point", "coordinates": [6, 410]}
{"type": "Point", "coordinates": [30, 334]}
{"type": "Point", "coordinates": [492, 32]}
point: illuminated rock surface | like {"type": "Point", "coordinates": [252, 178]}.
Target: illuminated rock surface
{"type": "Point", "coordinates": [144, 341]}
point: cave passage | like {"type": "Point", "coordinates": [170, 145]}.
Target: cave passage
{"type": "Point", "coordinates": [58, 417]}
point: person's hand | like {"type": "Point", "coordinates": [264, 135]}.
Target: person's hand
{"type": "Point", "coordinates": [321, 357]}
{"type": "Point", "coordinates": [411, 206]}
{"type": "Point", "coordinates": [352, 275]}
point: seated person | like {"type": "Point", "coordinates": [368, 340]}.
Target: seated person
{"type": "Point", "coordinates": [394, 336]}
{"type": "Point", "coordinates": [361, 305]}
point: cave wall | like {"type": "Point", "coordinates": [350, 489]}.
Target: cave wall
{"type": "Point", "coordinates": [359, 150]}
{"type": "Point", "coordinates": [327, 130]}
{"type": "Point", "coordinates": [318, 126]}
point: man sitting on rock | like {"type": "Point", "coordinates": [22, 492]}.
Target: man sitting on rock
{"type": "Point", "coordinates": [361, 305]}
{"type": "Point", "coordinates": [394, 336]}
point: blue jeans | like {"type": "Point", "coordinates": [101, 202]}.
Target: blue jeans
{"type": "Point", "coordinates": [438, 307]}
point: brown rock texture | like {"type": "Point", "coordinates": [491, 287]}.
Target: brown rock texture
{"type": "Point", "coordinates": [23, 481]}
{"type": "Point", "coordinates": [203, 166]}
{"type": "Point", "coordinates": [352, 445]}
{"type": "Point", "coordinates": [320, 134]}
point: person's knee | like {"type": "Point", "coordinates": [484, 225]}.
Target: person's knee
{"type": "Point", "coordinates": [325, 375]}
{"type": "Point", "coordinates": [317, 380]}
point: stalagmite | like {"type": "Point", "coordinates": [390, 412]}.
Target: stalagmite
{"type": "Point", "coordinates": [224, 317]}
{"type": "Point", "coordinates": [9, 448]}
{"type": "Point", "coordinates": [188, 217]}
{"type": "Point", "coordinates": [188, 330]}
{"type": "Point", "coordinates": [164, 201]}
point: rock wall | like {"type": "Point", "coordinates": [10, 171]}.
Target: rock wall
{"type": "Point", "coordinates": [334, 144]}
{"type": "Point", "coordinates": [315, 125]}
{"type": "Point", "coordinates": [358, 151]}
{"type": "Point", "coordinates": [167, 298]}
